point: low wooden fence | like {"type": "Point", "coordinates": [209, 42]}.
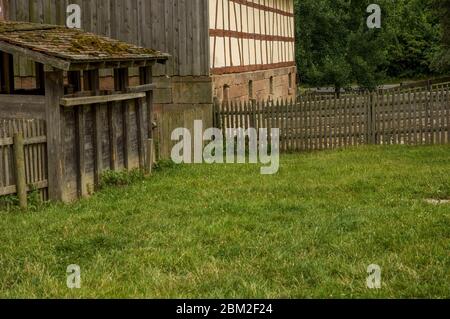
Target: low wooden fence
{"type": "Point", "coordinates": [414, 116]}
{"type": "Point", "coordinates": [23, 154]}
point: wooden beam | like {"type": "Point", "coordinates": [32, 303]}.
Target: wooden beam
{"type": "Point", "coordinates": [112, 131]}
{"type": "Point", "coordinates": [92, 83]}
{"type": "Point", "coordinates": [141, 88]}
{"type": "Point", "coordinates": [54, 90]}
{"type": "Point", "coordinates": [121, 83]}
{"type": "Point", "coordinates": [9, 190]}
{"type": "Point", "coordinates": [6, 141]}
{"type": "Point", "coordinates": [146, 77]}
{"type": "Point", "coordinates": [100, 99]}
{"type": "Point", "coordinates": [36, 56]}
{"type": "Point", "coordinates": [7, 73]}
{"type": "Point", "coordinates": [140, 131]}
{"type": "Point", "coordinates": [80, 151]}
{"type": "Point", "coordinates": [86, 66]}
{"type": "Point", "coordinates": [74, 79]}
{"type": "Point", "coordinates": [19, 167]}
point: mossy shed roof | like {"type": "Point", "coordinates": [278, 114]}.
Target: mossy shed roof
{"type": "Point", "coordinates": [70, 49]}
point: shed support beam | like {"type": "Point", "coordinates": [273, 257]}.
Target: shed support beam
{"type": "Point", "coordinates": [146, 77]}
{"type": "Point", "coordinates": [92, 83]}
{"type": "Point", "coordinates": [54, 91]}
{"type": "Point", "coordinates": [122, 83]}
{"type": "Point", "coordinates": [7, 73]}
{"type": "Point", "coordinates": [74, 79]}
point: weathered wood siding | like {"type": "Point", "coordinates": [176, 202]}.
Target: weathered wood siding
{"type": "Point", "coordinates": [178, 27]}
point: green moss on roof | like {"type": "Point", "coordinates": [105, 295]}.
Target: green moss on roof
{"type": "Point", "coordinates": [81, 41]}
{"type": "Point", "coordinates": [71, 44]}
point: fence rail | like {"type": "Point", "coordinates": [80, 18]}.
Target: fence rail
{"type": "Point", "coordinates": [414, 116]}
{"type": "Point", "coordinates": [34, 156]}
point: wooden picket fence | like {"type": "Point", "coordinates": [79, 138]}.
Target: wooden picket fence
{"type": "Point", "coordinates": [414, 116]}
{"type": "Point", "coordinates": [26, 138]}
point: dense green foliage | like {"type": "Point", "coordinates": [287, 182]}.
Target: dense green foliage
{"type": "Point", "coordinates": [442, 57]}
{"type": "Point", "coordinates": [225, 231]}
{"type": "Point", "coordinates": [335, 46]}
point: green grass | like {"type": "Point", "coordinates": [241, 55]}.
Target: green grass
{"type": "Point", "coordinates": [226, 231]}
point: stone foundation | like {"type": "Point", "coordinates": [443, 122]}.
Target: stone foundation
{"type": "Point", "coordinates": [269, 84]}
{"type": "Point", "coordinates": [179, 101]}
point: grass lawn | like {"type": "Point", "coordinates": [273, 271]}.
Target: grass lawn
{"type": "Point", "coordinates": [226, 231]}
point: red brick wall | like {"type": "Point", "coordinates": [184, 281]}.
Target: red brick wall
{"type": "Point", "coordinates": [238, 85]}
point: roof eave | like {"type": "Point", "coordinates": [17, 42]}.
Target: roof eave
{"type": "Point", "coordinates": [65, 65]}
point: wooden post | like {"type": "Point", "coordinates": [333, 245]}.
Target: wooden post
{"type": "Point", "coordinates": [112, 136]}
{"type": "Point", "coordinates": [6, 73]}
{"type": "Point", "coordinates": [74, 79]}
{"type": "Point", "coordinates": [146, 77]}
{"type": "Point", "coordinates": [121, 83]}
{"type": "Point", "coordinates": [19, 165]}
{"type": "Point", "coordinates": [80, 151]}
{"type": "Point", "coordinates": [54, 91]}
{"type": "Point", "coordinates": [92, 83]}
{"type": "Point", "coordinates": [150, 156]}
{"type": "Point", "coordinates": [140, 130]}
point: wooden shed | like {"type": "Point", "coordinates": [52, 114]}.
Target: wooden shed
{"type": "Point", "coordinates": [89, 128]}
{"type": "Point", "coordinates": [228, 49]}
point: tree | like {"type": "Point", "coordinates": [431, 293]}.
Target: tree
{"type": "Point", "coordinates": [441, 59]}
{"type": "Point", "coordinates": [335, 47]}
{"type": "Point", "coordinates": [415, 33]}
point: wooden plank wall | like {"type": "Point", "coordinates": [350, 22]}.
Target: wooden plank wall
{"type": "Point", "coordinates": [416, 116]}
{"type": "Point", "coordinates": [34, 132]}
{"type": "Point", "coordinates": [178, 27]}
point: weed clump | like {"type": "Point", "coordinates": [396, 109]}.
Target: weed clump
{"type": "Point", "coordinates": [121, 178]}
{"type": "Point", "coordinates": [10, 203]}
